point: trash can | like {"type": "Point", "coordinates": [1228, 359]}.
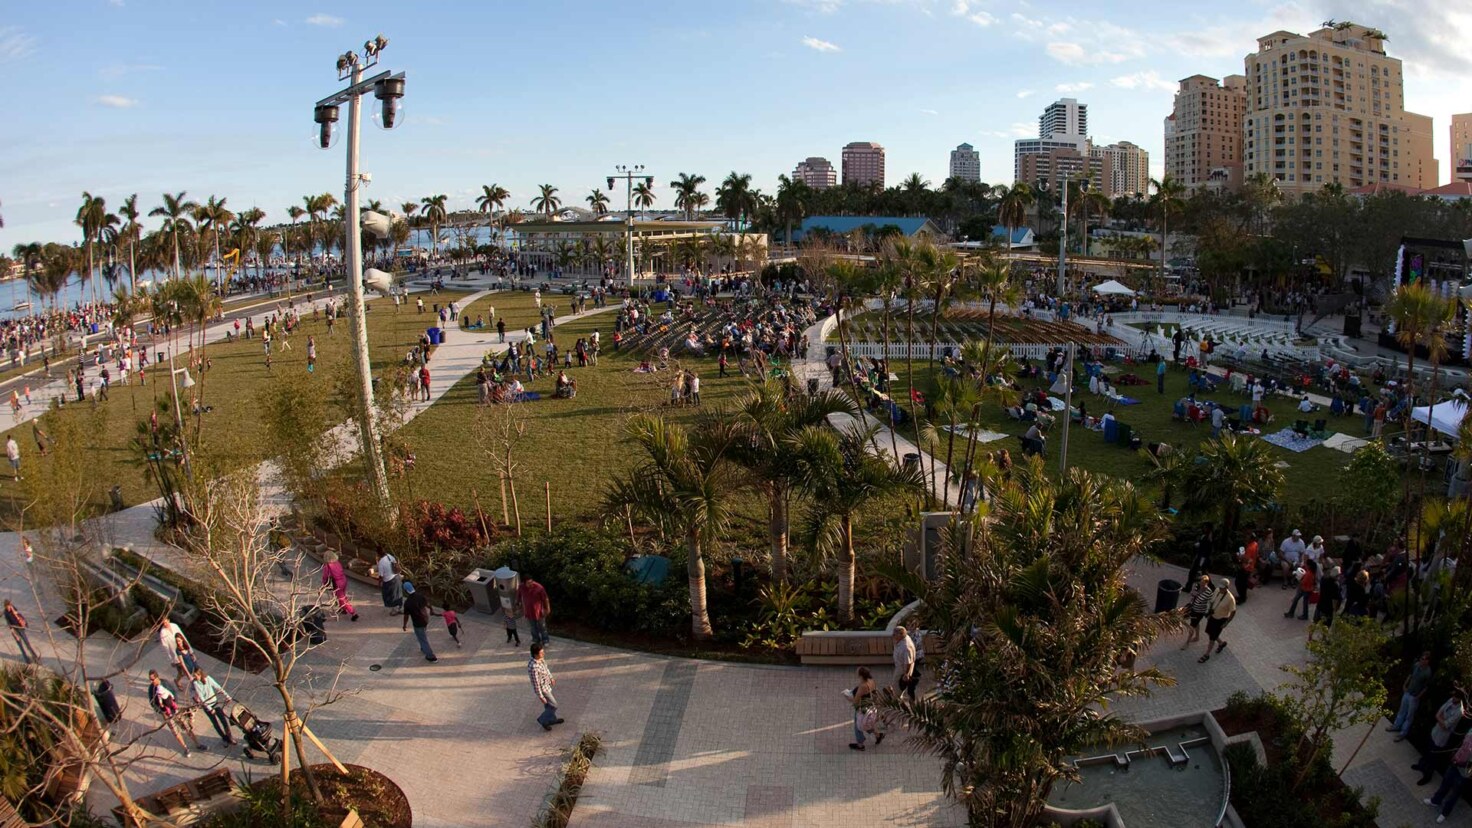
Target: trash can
{"type": "Point", "coordinates": [479, 584]}
{"type": "Point", "coordinates": [507, 583]}
{"type": "Point", "coordinates": [1167, 594]}
{"type": "Point", "coordinates": [813, 386]}
{"type": "Point", "coordinates": [107, 702]}
{"type": "Point", "coordinates": [433, 334]}
{"type": "Point", "coordinates": [912, 461]}
{"type": "Point", "coordinates": [313, 625]}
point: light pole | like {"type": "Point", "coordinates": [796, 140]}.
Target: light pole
{"type": "Point", "coordinates": [388, 88]}
{"type": "Point", "coordinates": [627, 174]}
{"type": "Point", "coordinates": [1083, 187]}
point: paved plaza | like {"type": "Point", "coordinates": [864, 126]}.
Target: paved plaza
{"type": "Point", "coordinates": [686, 742]}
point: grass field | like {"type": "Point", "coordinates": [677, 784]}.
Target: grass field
{"type": "Point", "coordinates": [231, 386]}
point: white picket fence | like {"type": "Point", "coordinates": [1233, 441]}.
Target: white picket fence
{"type": "Point", "coordinates": [921, 350]}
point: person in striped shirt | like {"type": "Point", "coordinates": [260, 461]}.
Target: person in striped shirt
{"type": "Point", "coordinates": [542, 684]}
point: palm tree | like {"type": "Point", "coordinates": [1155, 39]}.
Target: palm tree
{"type": "Point", "coordinates": [1089, 203]}
{"type": "Point", "coordinates": [295, 213]}
{"type": "Point", "coordinates": [643, 195]}
{"type": "Point", "coordinates": [1231, 475]}
{"type": "Point", "coordinates": [685, 484]}
{"type": "Point", "coordinates": [108, 235]}
{"type": "Point", "coordinates": [1167, 201]}
{"type": "Point", "coordinates": [735, 198]}
{"type": "Point", "coordinates": [687, 194]}
{"type": "Point", "coordinates": [841, 478]}
{"type": "Point", "coordinates": [132, 232]}
{"type": "Point", "coordinates": [1012, 206]}
{"type": "Point", "coordinates": [1035, 616]}
{"type": "Point", "coordinates": [175, 211]}
{"type": "Point", "coordinates": [995, 283]}
{"type": "Point", "coordinates": [213, 216]}
{"type": "Point", "coordinates": [1261, 192]}
{"type": "Point", "coordinates": [492, 197]}
{"type": "Point", "coordinates": [435, 215]}
{"type": "Point", "coordinates": [89, 218]}
{"type": "Point", "coordinates": [546, 201]}
{"type": "Point", "coordinates": [597, 201]}
{"type": "Point", "coordinates": [792, 203]}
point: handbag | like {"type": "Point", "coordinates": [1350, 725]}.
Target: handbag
{"type": "Point", "coordinates": [869, 721]}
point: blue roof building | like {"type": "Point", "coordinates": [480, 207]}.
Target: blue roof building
{"type": "Point", "coordinates": [841, 225]}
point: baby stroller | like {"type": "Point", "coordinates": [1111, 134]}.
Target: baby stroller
{"type": "Point", "coordinates": [258, 737]}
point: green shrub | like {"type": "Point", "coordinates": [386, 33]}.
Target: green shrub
{"type": "Point", "coordinates": [1263, 796]}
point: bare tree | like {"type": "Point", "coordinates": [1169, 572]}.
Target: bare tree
{"type": "Point", "coordinates": [497, 431]}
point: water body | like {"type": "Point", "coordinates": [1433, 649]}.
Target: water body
{"type": "Point", "coordinates": [1152, 792]}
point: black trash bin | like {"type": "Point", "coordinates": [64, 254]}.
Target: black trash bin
{"type": "Point", "coordinates": [912, 461]}
{"type": "Point", "coordinates": [313, 625]}
{"type": "Point", "coordinates": [1167, 595]}
{"type": "Point", "coordinates": [107, 702]}
{"type": "Point", "coordinates": [813, 385]}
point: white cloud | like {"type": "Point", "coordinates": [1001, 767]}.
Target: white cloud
{"type": "Point", "coordinates": [969, 10]}
{"type": "Point", "coordinates": [1016, 130]}
{"type": "Point", "coordinates": [116, 101]}
{"type": "Point", "coordinates": [279, 22]}
{"type": "Point", "coordinates": [929, 112]}
{"type": "Point", "coordinates": [320, 19]}
{"type": "Point", "coordinates": [820, 45]}
{"type": "Point", "coordinates": [116, 3]}
{"type": "Point", "coordinates": [1148, 79]}
{"type": "Point", "coordinates": [15, 44]}
{"type": "Point", "coordinates": [1074, 87]}
{"type": "Point", "coordinates": [981, 18]}
{"type": "Point", "coordinates": [1075, 54]}
{"type": "Point", "coordinates": [820, 6]}
{"type": "Point", "coordinates": [1025, 93]}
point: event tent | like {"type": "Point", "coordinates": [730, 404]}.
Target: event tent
{"type": "Point", "coordinates": [1445, 417]}
{"type": "Point", "coordinates": [1113, 288]}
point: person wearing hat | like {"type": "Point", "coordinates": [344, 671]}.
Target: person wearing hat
{"type": "Point", "coordinates": [418, 612]}
{"type": "Point", "coordinates": [1315, 550]}
{"type": "Point", "coordinates": [1290, 553]}
{"type": "Point", "coordinates": [1196, 607]}
{"type": "Point", "coordinates": [1220, 611]}
{"type": "Point", "coordinates": [1329, 596]}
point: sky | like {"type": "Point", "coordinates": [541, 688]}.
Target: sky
{"type": "Point", "coordinates": [146, 96]}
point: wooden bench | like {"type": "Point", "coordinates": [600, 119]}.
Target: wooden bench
{"type": "Point", "coordinates": [189, 802]}
{"type": "Point", "coordinates": [854, 647]}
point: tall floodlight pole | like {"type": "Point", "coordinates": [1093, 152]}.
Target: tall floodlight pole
{"type": "Point", "coordinates": [389, 89]}
{"type": "Point", "coordinates": [1067, 411]}
{"type": "Point", "coordinates": [627, 174]}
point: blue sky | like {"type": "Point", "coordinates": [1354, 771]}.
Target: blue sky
{"type": "Point", "coordinates": [124, 96]}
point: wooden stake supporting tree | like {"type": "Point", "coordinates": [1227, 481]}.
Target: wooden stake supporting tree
{"type": "Point", "coordinates": [497, 431]}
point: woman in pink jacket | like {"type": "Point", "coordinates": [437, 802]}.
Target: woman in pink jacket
{"type": "Point", "coordinates": [335, 576]}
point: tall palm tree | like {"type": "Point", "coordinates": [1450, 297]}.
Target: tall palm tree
{"type": "Point", "coordinates": [1230, 476]}
{"type": "Point", "coordinates": [841, 478]}
{"type": "Point", "coordinates": [434, 215]}
{"type": "Point", "coordinates": [132, 232]}
{"type": "Point", "coordinates": [214, 217]}
{"type": "Point", "coordinates": [1167, 201]}
{"type": "Point", "coordinates": [685, 484]}
{"type": "Point", "coordinates": [295, 213]}
{"type": "Point", "coordinates": [735, 198]}
{"type": "Point", "coordinates": [770, 420]}
{"type": "Point", "coordinates": [175, 211]}
{"type": "Point", "coordinates": [995, 282]}
{"type": "Point", "coordinates": [597, 201]}
{"type": "Point", "coordinates": [643, 195]}
{"type": "Point", "coordinates": [1261, 192]}
{"type": "Point", "coordinates": [492, 198]}
{"type": "Point", "coordinates": [687, 194]}
{"type": "Point", "coordinates": [1012, 206]}
{"type": "Point", "coordinates": [546, 201]}
{"type": "Point", "coordinates": [1035, 614]}
{"type": "Point", "coordinates": [1090, 203]}
{"type": "Point", "coordinates": [792, 203]}
{"type": "Point", "coordinates": [89, 218]}
{"type": "Point", "coordinates": [109, 236]}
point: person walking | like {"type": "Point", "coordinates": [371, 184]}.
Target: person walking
{"type": "Point", "coordinates": [1329, 596]}
{"type": "Point", "coordinates": [335, 576]}
{"type": "Point", "coordinates": [166, 705]}
{"type": "Point", "coordinates": [501, 329]}
{"type": "Point", "coordinates": [168, 638]}
{"type": "Point", "coordinates": [535, 607]}
{"type": "Point", "coordinates": [1410, 698]}
{"type": "Point", "coordinates": [311, 353]}
{"type": "Point", "coordinates": [1160, 376]}
{"type": "Point", "coordinates": [1450, 791]}
{"type": "Point", "coordinates": [417, 611]}
{"type": "Point", "coordinates": [866, 714]}
{"type": "Point", "coordinates": [424, 382]}
{"type": "Point", "coordinates": [1196, 608]}
{"type": "Point", "coordinates": [452, 623]}
{"type": "Point", "coordinates": [19, 631]}
{"type": "Point", "coordinates": [1307, 586]}
{"type": "Point", "coordinates": [211, 698]}
{"type": "Point", "coordinates": [904, 660]}
{"type": "Point", "coordinates": [12, 453]}
{"type": "Point", "coordinates": [1219, 613]}
{"type": "Point", "coordinates": [390, 581]}
{"type": "Point", "coordinates": [542, 684]}
{"type": "Point", "coordinates": [1440, 748]}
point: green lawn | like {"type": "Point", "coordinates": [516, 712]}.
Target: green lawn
{"type": "Point", "coordinates": [231, 386]}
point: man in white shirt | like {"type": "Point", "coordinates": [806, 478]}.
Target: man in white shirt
{"type": "Point", "coordinates": [389, 581]}
{"type": "Point", "coordinates": [904, 659]}
{"type": "Point", "coordinates": [1305, 406]}
{"type": "Point", "coordinates": [1290, 552]}
{"type": "Point", "coordinates": [1315, 550]}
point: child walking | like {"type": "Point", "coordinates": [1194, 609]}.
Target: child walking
{"type": "Point", "coordinates": [452, 623]}
{"type": "Point", "coordinates": [509, 615]}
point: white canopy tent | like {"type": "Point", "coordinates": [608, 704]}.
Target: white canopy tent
{"type": "Point", "coordinates": [1112, 288]}
{"type": "Point", "coordinates": [1445, 417]}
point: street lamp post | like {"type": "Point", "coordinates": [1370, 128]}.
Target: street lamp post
{"type": "Point", "coordinates": [627, 174]}
{"type": "Point", "coordinates": [388, 88]}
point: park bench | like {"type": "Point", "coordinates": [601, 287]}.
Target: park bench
{"type": "Point", "coordinates": [189, 802]}
{"type": "Point", "coordinates": [853, 647]}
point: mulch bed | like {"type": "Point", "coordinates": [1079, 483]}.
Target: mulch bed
{"type": "Point", "coordinates": [380, 802]}
{"type": "Point", "coordinates": [1331, 800]}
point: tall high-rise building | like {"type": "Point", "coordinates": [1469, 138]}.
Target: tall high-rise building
{"type": "Point", "coordinates": [965, 163]}
{"type": "Point", "coordinates": [1125, 171]}
{"type": "Point", "coordinates": [863, 163]}
{"type": "Point", "coordinates": [1048, 169]}
{"type": "Point", "coordinates": [1203, 135]}
{"type": "Point", "coordinates": [1065, 116]}
{"type": "Point", "coordinates": [1462, 147]}
{"type": "Point", "coordinates": [1330, 107]}
{"type": "Point", "coordinates": [816, 172]}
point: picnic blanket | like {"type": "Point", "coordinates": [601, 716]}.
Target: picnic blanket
{"type": "Point", "coordinates": [983, 436]}
{"type": "Point", "coordinates": [1345, 443]}
{"type": "Point", "coordinates": [1127, 401]}
{"type": "Point", "coordinates": [1289, 440]}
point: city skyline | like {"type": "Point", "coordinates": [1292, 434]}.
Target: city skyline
{"type": "Point", "coordinates": [218, 102]}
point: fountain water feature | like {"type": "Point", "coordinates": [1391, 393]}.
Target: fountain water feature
{"type": "Point", "coordinates": [1177, 778]}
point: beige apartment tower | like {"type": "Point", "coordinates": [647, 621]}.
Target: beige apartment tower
{"type": "Point", "coordinates": [863, 164]}
{"type": "Point", "coordinates": [1126, 169]}
{"type": "Point", "coordinates": [1203, 136]}
{"type": "Point", "coordinates": [1462, 147]}
{"type": "Point", "coordinates": [816, 172]}
{"type": "Point", "coordinates": [1330, 107]}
